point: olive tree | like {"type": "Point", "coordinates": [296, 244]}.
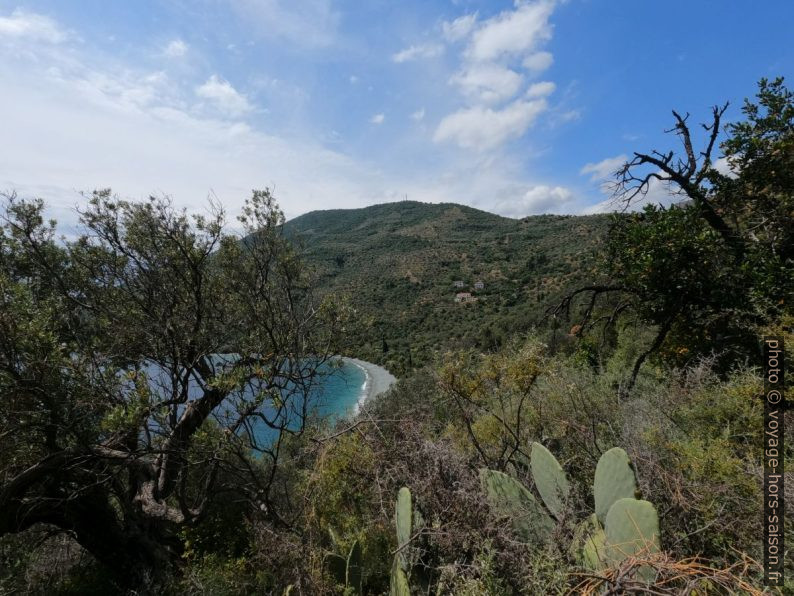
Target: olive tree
{"type": "Point", "coordinates": [142, 361]}
{"type": "Point", "coordinates": [711, 271]}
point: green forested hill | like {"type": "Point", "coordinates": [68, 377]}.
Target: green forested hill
{"type": "Point", "coordinates": [398, 262]}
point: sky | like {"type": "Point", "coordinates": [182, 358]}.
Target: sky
{"type": "Point", "coordinates": [517, 108]}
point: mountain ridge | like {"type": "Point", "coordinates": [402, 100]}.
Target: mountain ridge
{"type": "Point", "coordinates": [397, 263]}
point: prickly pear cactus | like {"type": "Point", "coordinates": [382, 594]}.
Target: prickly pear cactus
{"type": "Point", "coordinates": [353, 568]}
{"type": "Point", "coordinates": [508, 497]}
{"type": "Point", "coordinates": [632, 528]}
{"type": "Point", "coordinates": [332, 535]}
{"type": "Point", "coordinates": [549, 479]}
{"type": "Point", "coordinates": [336, 565]}
{"type": "Point", "coordinates": [594, 550]}
{"type": "Point", "coordinates": [588, 544]}
{"type": "Point", "coordinates": [614, 479]}
{"type": "Point", "coordinates": [398, 584]}
{"type": "Point", "coordinates": [345, 569]}
{"type": "Point", "coordinates": [402, 521]}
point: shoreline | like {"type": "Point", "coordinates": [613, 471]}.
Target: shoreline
{"type": "Point", "coordinates": [377, 380]}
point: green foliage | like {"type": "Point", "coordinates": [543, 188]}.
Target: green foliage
{"type": "Point", "coordinates": [712, 271]}
{"type": "Point", "coordinates": [497, 393]}
{"type": "Point", "coordinates": [481, 577]}
{"type": "Point", "coordinates": [705, 442]}
{"type": "Point", "coordinates": [399, 262]}
{"type": "Point", "coordinates": [760, 150]}
{"type": "Point", "coordinates": [72, 382]}
{"type": "Point", "coordinates": [630, 526]}
{"type": "Point", "coordinates": [112, 363]}
{"type": "Point", "coordinates": [338, 477]}
{"type": "Point", "coordinates": [213, 574]}
{"type": "Point", "coordinates": [614, 479]}
{"type": "Point", "coordinates": [549, 479]}
{"type": "Point", "coordinates": [510, 498]}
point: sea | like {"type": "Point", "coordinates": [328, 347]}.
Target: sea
{"type": "Point", "coordinates": [340, 394]}
{"type": "Point", "coordinates": [340, 389]}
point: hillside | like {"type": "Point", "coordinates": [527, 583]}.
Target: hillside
{"type": "Point", "coordinates": [398, 263]}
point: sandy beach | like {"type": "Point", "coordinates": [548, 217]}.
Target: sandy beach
{"type": "Point", "coordinates": [378, 379]}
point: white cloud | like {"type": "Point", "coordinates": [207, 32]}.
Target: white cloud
{"type": "Point", "coordinates": [512, 32]}
{"type": "Point", "coordinates": [378, 119]}
{"type": "Point", "coordinates": [487, 78]}
{"type": "Point", "coordinates": [488, 83]}
{"type": "Point", "coordinates": [108, 122]}
{"type": "Point", "coordinates": [538, 62]}
{"type": "Point", "coordinates": [723, 166]}
{"type": "Point", "coordinates": [459, 28]}
{"type": "Point", "coordinates": [225, 97]}
{"type": "Point", "coordinates": [569, 116]}
{"type": "Point", "coordinates": [542, 89]}
{"type": "Point", "coordinates": [175, 49]}
{"type": "Point", "coordinates": [32, 26]}
{"type": "Point", "coordinates": [537, 199]}
{"type": "Point", "coordinates": [659, 193]}
{"type": "Point", "coordinates": [97, 136]}
{"type": "Point", "coordinates": [604, 168]}
{"type": "Point", "coordinates": [416, 52]}
{"type": "Point", "coordinates": [484, 128]}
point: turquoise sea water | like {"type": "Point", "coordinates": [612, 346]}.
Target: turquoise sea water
{"type": "Point", "coordinates": [339, 393]}
{"type": "Point", "coordinates": [335, 397]}
{"type": "Point", "coordinates": [338, 390]}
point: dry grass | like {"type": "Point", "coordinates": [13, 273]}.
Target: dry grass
{"type": "Point", "coordinates": [685, 576]}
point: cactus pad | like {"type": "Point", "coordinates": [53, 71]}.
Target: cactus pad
{"type": "Point", "coordinates": [402, 516]}
{"type": "Point", "coordinates": [354, 568]}
{"type": "Point", "coordinates": [614, 479]}
{"type": "Point", "coordinates": [549, 479]}
{"type": "Point", "coordinates": [336, 566]}
{"type": "Point", "coordinates": [334, 539]}
{"type": "Point", "coordinates": [398, 584]}
{"type": "Point", "coordinates": [632, 528]}
{"type": "Point", "coordinates": [402, 521]}
{"type": "Point", "coordinates": [508, 497]}
{"type": "Point", "coordinates": [588, 544]}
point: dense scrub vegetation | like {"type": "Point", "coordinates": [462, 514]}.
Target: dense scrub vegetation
{"type": "Point", "coordinates": [397, 264]}
{"type": "Point", "coordinates": [691, 435]}
{"type": "Point", "coordinates": [480, 472]}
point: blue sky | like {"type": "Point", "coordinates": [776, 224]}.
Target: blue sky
{"type": "Point", "coordinates": [513, 107]}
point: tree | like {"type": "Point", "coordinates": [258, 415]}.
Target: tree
{"type": "Point", "coordinates": [141, 366]}
{"type": "Point", "coordinates": [712, 270]}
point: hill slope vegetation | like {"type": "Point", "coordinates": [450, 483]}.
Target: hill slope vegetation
{"type": "Point", "coordinates": [398, 264]}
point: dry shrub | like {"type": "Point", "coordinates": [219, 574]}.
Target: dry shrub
{"type": "Point", "coordinates": [673, 576]}
{"type": "Point", "coordinates": [461, 538]}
